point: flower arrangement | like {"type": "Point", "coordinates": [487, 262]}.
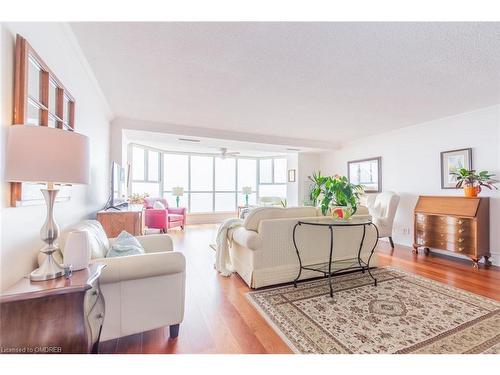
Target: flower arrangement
{"type": "Point", "coordinates": [329, 191]}
{"type": "Point", "coordinates": [137, 198]}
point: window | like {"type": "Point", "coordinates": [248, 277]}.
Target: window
{"type": "Point", "coordinates": [138, 163]}
{"type": "Point", "coordinates": [153, 166]}
{"type": "Point", "coordinates": [145, 171]}
{"type": "Point", "coordinates": [279, 170]}
{"type": "Point", "coordinates": [210, 183]}
{"type": "Point", "coordinates": [202, 173]}
{"type": "Point", "coordinates": [247, 171]}
{"type": "Point", "coordinates": [272, 182]}
{"type": "Point", "coordinates": [266, 171]}
{"type": "Point", "coordinates": [225, 174]}
{"type": "Point", "coordinates": [175, 171]}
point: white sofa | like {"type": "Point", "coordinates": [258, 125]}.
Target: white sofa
{"type": "Point", "coordinates": [141, 292]}
{"type": "Point", "coordinates": [382, 207]}
{"type": "Point", "coordinates": [262, 250]}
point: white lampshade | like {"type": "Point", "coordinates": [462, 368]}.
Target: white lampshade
{"type": "Point", "coordinates": [246, 190]}
{"type": "Point", "coordinates": [43, 154]}
{"type": "Point", "coordinates": [177, 191]}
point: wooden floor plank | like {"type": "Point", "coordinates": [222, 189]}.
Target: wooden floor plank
{"type": "Point", "coordinates": [219, 318]}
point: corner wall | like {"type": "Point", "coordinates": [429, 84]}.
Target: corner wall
{"type": "Point", "coordinates": [411, 162]}
{"type": "Point", "coordinates": [20, 226]}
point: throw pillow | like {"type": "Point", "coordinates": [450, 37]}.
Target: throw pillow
{"type": "Point", "coordinates": [125, 244]}
{"type": "Point", "coordinates": [158, 205]}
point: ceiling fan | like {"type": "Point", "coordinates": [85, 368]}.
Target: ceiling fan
{"type": "Point", "coordinates": [223, 153]}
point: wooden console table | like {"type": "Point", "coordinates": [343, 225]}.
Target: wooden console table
{"type": "Point", "coordinates": [54, 316]}
{"type": "Point", "coordinates": [457, 224]}
{"type": "Point", "coordinates": [114, 221]}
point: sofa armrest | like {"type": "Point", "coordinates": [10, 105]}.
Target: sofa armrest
{"type": "Point", "coordinates": [156, 217]}
{"type": "Point", "coordinates": [177, 210]}
{"type": "Point", "coordinates": [141, 266]}
{"type": "Point", "coordinates": [247, 238]}
{"type": "Point", "coordinates": [156, 243]}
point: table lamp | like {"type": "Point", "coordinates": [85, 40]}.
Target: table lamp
{"type": "Point", "coordinates": [41, 154]}
{"type": "Point", "coordinates": [177, 192]}
{"type": "Point", "coordinates": [246, 190]}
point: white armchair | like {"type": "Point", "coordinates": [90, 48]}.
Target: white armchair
{"type": "Point", "coordinates": [382, 208]}
{"type": "Point", "coordinates": [141, 292]}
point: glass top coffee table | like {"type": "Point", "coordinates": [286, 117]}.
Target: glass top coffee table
{"type": "Point", "coordinates": [351, 264]}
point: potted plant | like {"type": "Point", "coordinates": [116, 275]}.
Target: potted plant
{"type": "Point", "coordinates": [472, 181]}
{"type": "Point", "coordinates": [136, 201]}
{"type": "Point", "coordinates": [335, 193]}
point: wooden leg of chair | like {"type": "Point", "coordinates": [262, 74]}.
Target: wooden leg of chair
{"type": "Point", "coordinates": [174, 331]}
{"type": "Point", "coordinates": [391, 242]}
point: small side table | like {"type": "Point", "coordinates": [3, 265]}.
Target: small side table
{"type": "Point", "coordinates": [326, 268]}
{"type": "Point", "coordinates": [54, 316]}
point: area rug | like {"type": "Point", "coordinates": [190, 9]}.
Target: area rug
{"type": "Point", "coordinates": [404, 313]}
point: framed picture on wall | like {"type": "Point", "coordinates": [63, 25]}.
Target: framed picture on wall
{"type": "Point", "coordinates": [452, 161]}
{"type": "Point", "coordinates": [291, 175]}
{"type": "Point", "coordinates": [366, 172]}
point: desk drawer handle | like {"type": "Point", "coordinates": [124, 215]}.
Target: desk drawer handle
{"type": "Point", "coordinates": [460, 248]}
{"type": "Point", "coordinates": [460, 240]}
{"type": "Point", "coordinates": [461, 230]}
{"type": "Point", "coordinates": [460, 221]}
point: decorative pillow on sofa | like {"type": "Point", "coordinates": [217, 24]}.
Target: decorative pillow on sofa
{"type": "Point", "coordinates": [157, 205]}
{"type": "Point", "coordinates": [125, 244]}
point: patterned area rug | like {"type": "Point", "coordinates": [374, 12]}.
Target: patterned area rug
{"type": "Point", "coordinates": [404, 313]}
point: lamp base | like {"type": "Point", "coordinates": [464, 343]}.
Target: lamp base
{"type": "Point", "coordinates": [48, 270]}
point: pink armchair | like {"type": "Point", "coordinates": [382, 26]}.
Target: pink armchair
{"type": "Point", "coordinates": [170, 217]}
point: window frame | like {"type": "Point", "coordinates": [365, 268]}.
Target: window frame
{"type": "Point", "coordinates": [188, 191]}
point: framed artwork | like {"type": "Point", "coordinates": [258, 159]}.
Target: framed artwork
{"type": "Point", "coordinates": [451, 161]}
{"type": "Point", "coordinates": [291, 175]}
{"type": "Point", "coordinates": [366, 172]}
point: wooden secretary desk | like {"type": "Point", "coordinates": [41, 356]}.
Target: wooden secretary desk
{"type": "Point", "coordinates": [457, 224]}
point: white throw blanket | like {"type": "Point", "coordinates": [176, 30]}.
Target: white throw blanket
{"type": "Point", "coordinates": [222, 258]}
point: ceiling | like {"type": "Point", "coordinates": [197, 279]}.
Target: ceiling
{"type": "Point", "coordinates": [333, 82]}
{"type": "Point", "coordinates": [175, 143]}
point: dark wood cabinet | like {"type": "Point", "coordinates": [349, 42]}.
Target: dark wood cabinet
{"type": "Point", "coordinates": [55, 316]}
{"type": "Point", "coordinates": [457, 224]}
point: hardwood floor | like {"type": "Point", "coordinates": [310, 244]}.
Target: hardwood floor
{"type": "Point", "coordinates": [218, 318]}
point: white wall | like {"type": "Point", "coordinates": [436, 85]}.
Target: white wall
{"type": "Point", "coordinates": [411, 162]}
{"type": "Point", "coordinates": [292, 188]}
{"type": "Point", "coordinates": [308, 164]}
{"type": "Point", "coordinates": [20, 227]}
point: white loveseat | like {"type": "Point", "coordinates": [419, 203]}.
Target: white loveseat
{"type": "Point", "coordinates": [262, 250]}
{"type": "Point", "coordinates": [141, 292]}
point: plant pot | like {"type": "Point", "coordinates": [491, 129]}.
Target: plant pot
{"type": "Point", "coordinates": [341, 212]}
{"type": "Point", "coordinates": [471, 191]}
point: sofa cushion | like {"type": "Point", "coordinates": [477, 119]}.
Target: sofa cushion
{"type": "Point", "coordinates": [258, 214]}
{"type": "Point", "coordinates": [125, 244]}
{"type": "Point", "coordinates": [157, 205]}
{"type": "Point", "coordinates": [99, 244]}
